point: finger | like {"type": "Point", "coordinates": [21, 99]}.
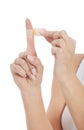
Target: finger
{"type": "Point", "coordinates": [70, 43]}
{"type": "Point", "coordinates": [23, 55]}
{"type": "Point", "coordinates": [55, 50]}
{"type": "Point", "coordinates": [30, 38]}
{"type": "Point", "coordinates": [28, 24]}
{"type": "Point", "coordinates": [63, 34]}
{"type": "Point", "coordinates": [36, 63]}
{"type": "Point", "coordinates": [48, 35]}
{"type": "Point", "coordinates": [59, 43]}
{"type": "Point", "coordinates": [16, 69]}
{"type": "Point", "coordinates": [24, 65]}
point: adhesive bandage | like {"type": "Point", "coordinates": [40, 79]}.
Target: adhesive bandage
{"type": "Point", "coordinates": [38, 31]}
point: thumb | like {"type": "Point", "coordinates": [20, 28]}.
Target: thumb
{"type": "Point", "coordinates": [30, 38]}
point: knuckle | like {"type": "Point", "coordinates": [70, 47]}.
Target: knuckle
{"type": "Point", "coordinates": [55, 34]}
{"type": "Point", "coordinates": [56, 41]}
{"type": "Point", "coordinates": [42, 67]}
{"type": "Point", "coordinates": [38, 61]}
{"type": "Point", "coordinates": [11, 66]}
{"type": "Point", "coordinates": [52, 49]}
{"type": "Point", "coordinates": [53, 42]}
{"type": "Point", "coordinates": [20, 61]}
{"type": "Point", "coordinates": [61, 41]}
{"type": "Point", "coordinates": [22, 54]}
{"type": "Point", "coordinates": [15, 61]}
{"type": "Point", "coordinates": [15, 68]}
{"type": "Point", "coordinates": [73, 42]}
{"type": "Point", "coordinates": [62, 33]}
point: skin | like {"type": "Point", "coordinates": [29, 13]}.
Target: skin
{"type": "Point", "coordinates": [30, 86]}
{"type": "Point", "coordinates": [59, 99]}
{"type": "Point", "coordinates": [27, 72]}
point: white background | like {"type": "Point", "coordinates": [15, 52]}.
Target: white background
{"type": "Point", "coordinates": [50, 14]}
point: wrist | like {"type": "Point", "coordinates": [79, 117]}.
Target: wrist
{"type": "Point", "coordinates": [32, 91]}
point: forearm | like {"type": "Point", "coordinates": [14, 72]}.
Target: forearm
{"type": "Point", "coordinates": [73, 92]}
{"type": "Point", "coordinates": [56, 105]}
{"type": "Point", "coordinates": [34, 109]}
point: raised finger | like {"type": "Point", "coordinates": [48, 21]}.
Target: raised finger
{"type": "Point", "coordinates": [30, 38]}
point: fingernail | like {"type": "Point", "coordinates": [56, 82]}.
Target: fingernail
{"type": "Point", "coordinates": [31, 58]}
{"type": "Point", "coordinates": [33, 71]}
{"type": "Point", "coordinates": [32, 77]}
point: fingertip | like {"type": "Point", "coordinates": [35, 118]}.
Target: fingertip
{"type": "Point", "coordinates": [63, 33]}
{"type": "Point", "coordinates": [28, 24]}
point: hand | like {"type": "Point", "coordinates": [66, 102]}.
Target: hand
{"type": "Point", "coordinates": [27, 69]}
{"type": "Point", "coordinates": [25, 77]}
{"type": "Point", "coordinates": [65, 47]}
{"type": "Point", "coordinates": [63, 50]}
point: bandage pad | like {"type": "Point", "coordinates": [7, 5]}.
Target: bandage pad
{"type": "Point", "coordinates": [38, 31]}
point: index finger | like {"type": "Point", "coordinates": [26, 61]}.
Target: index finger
{"type": "Point", "coordinates": [48, 35]}
{"type": "Point", "coordinates": [30, 38]}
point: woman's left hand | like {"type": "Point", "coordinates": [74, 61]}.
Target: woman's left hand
{"type": "Point", "coordinates": [63, 49]}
